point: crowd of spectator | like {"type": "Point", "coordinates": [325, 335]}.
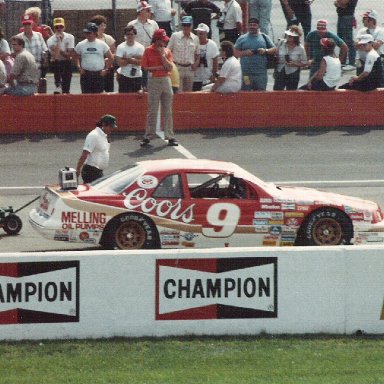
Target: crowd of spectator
{"type": "Point", "coordinates": [198, 63]}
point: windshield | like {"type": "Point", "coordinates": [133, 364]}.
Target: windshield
{"type": "Point", "coordinates": [120, 180]}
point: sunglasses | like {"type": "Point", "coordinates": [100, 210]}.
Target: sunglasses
{"type": "Point", "coordinates": [59, 27]}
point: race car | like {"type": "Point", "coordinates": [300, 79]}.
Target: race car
{"type": "Point", "coordinates": [182, 203]}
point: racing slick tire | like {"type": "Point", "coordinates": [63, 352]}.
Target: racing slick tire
{"type": "Point", "coordinates": [326, 226]}
{"type": "Point", "coordinates": [12, 224]}
{"type": "Point", "coordinates": [130, 231]}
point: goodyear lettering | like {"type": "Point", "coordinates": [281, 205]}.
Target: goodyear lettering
{"type": "Point", "coordinates": [217, 288]}
{"type": "Point", "coordinates": [25, 292]}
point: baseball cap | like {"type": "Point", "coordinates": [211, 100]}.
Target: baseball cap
{"type": "Point", "coordinates": [322, 25]}
{"type": "Point", "coordinates": [202, 28]}
{"type": "Point", "coordinates": [27, 19]}
{"type": "Point", "coordinates": [160, 34]}
{"type": "Point", "coordinates": [253, 20]}
{"type": "Point", "coordinates": [91, 27]}
{"type": "Point", "coordinates": [58, 21]}
{"type": "Point", "coordinates": [142, 5]}
{"type": "Point", "coordinates": [110, 120]}
{"type": "Point", "coordinates": [187, 20]}
{"type": "Point", "coordinates": [366, 38]}
{"type": "Point", "coordinates": [372, 14]}
{"type": "Point", "coordinates": [291, 33]}
{"type": "Point", "coordinates": [327, 43]}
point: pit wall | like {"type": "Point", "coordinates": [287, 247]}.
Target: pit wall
{"type": "Point", "coordinates": [78, 113]}
{"type": "Point", "coordinates": [100, 294]}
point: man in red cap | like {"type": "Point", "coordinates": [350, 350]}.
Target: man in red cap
{"type": "Point", "coordinates": [157, 59]}
{"type": "Point", "coordinates": [313, 47]}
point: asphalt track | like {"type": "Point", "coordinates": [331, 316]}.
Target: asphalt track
{"type": "Point", "coordinates": [344, 160]}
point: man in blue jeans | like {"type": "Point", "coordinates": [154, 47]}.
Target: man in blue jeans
{"type": "Point", "coordinates": [345, 10]}
{"type": "Point", "coordinates": [253, 48]}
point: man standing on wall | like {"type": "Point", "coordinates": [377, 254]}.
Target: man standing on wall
{"type": "Point", "coordinates": [345, 23]}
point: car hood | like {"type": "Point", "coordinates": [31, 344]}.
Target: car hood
{"type": "Point", "coordinates": [305, 196]}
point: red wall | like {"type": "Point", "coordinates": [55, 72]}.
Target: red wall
{"type": "Point", "coordinates": [296, 109]}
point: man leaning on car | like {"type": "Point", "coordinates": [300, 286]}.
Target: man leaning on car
{"type": "Point", "coordinates": [95, 156]}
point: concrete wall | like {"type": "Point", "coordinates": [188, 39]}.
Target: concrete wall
{"type": "Point", "coordinates": [97, 294]}
{"type": "Point", "coordinates": [78, 113]}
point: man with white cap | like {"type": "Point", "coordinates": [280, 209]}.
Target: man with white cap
{"type": "Point", "coordinates": [145, 28]}
{"type": "Point", "coordinates": [313, 47]}
{"type": "Point", "coordinates": [370, 27]}
{"type": "Point", "coordinates": [372, 75]}
{"type": "Point", "coordinates": [209, 54]}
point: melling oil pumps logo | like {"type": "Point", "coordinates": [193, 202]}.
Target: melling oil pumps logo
{"type": "Point", "coordinates": [39, 292]}
{"type": "Point", "coordinates": [219, 288]}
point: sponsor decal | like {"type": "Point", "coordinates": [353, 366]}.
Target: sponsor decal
{"type": "Point", "coordinates": [83, 220]}
{"type": "Point", "coordinates": [188, 236]}
{"type": "Point", "coordinates": [216, 288]}
{"type": "Point", "coordinates": [170, 238]}
{"type": "Point", "coordinates": [39, 292]}
{"type": "Point", "coordinates": [265, 200]}
{"type": "Point", "coordinates": [260, 222]}
{"type": "Point", "coordinates": [284, 243]}
{"type": "Point", "coordinates": [290, 206]}
{"type": "Point", "coordinates": [270, 206]}
{"type": "Point", "coordinates": [188, 244]}
{"type": "Point", "coordinates": [138, 199]}
{"type": "Point", "coordinates": [261, 228]}
{"type": "Point", "coordinates": [357, 216]}
{"type": "Point", "coordinates": [262, 215]}
{"type": "Point", "coordinates": [147, 182]}
{"type": "Point", "coordinates": [294, 214]}
{"type": "Point", "coordinates": [276, 222]}
{"type": "Point", "coordinates": [277, 215]}
{"type": "Point", "coordinates": [292, 222]}
{"type": "Point", "coordinates": [303, 208]}
{"type": "Point", "coordinates": [275, 230]}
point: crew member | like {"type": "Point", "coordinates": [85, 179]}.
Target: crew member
{"type": "Point", "coordinates": [95, 156]}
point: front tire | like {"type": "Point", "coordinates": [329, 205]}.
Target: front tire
{"type": "Point", "coordinates": [326, 226]}
{"type": "Point", "coordinates": [130, 232]}
{"type": "Point", "coordinates": [12, 224]}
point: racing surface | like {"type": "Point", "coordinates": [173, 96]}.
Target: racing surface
{"type": "Point", "coordinates": [346, 160]}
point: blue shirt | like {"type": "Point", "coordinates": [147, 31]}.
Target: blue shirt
{"type": "Point", "coordinates": [255, 64]}
{"type": "Point", "coordinates": [315, 51]}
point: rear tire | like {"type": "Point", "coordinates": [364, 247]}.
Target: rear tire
{"type": "Point", "coordinates": [130, 231]}
{"type": "Point", "coordinates": [326, 226]}
{"type": "Point", "coordinates": [12, 224]}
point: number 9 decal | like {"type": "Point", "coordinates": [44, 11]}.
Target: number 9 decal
{"type": "Point", "coordinates": [224, 218]}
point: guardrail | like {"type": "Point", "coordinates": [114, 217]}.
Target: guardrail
{"type": "Point", "coordinates": [252, 110]}
{"type": "Point", "coordinates": [100, 294]}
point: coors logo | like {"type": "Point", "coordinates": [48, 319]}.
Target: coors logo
{"type": "Point", "coordinates": [219, 288]}
{"type": "Point", "coordinates": [39, 292]}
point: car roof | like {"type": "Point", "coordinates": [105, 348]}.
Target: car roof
{"type": "Point", "coordinates": [190, 165]}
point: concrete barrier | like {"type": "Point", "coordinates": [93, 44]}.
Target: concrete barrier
{"type": "Point", "coordinates": [98, 294]}
{"type": "Point", "coordinates": [289, 109]}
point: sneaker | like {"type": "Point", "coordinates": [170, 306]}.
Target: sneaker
{"type": "Point", "coordinates": [144, 142]}
{"type": "Point", "coordinates": [348, 67]}
{"type": "Point", "coordinates": [57, 91]}
{"type": "Point", "coordinates": [172, 143]}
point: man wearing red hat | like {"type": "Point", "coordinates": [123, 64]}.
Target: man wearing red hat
{"type": "Point", "coordinates": [313, 47]}
{"type": "Point", "coordinates": [157, 60]}
{"type": "Point", "coordinates": [34, 43]}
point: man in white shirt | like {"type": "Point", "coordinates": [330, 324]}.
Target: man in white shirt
{"type": "Point", "coordinates": [61, 45]}
{"type": "Point", "coordinates": [209, 53]}
{"type": "Point", "coordinates": [232, 19]}
{"type": "Point", "coordinates": [163, 14]}
{"type": "Point", "coordinates": [184, 46]}
{"type": "Point", "coordinates": [90, 57]}
{"type": "Point", "coordinates": [372, 75]}
{"type": "Point", "coordinates": [145, 28]}
{"type": "Point", "coordinates": [95, 156]}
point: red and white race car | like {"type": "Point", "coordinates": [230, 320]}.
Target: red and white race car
{"type": "Point", "coordinates": [180, 203]}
